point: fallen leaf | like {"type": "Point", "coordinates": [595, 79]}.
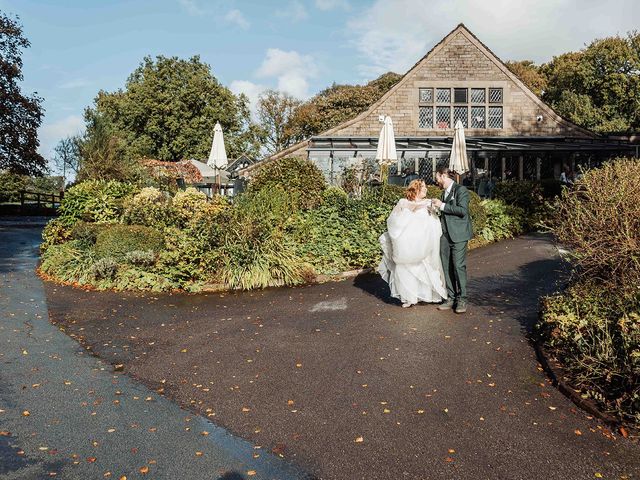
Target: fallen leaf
{"type": "Point", "coordinates": [198, 454]}
{"type": "Point", "coordinates": [4, 433]}
{"type": "Point", "coordinates": [144, 470]}
{"type": "Point", "coordinates": [552, 408]}
{"type": "Point", "coordinates": [91, 459]}
{"type": "Point", "coordinates": [26, 413]}
{"type": "Point", "coordinates": [359, 440]}
{"type": "Point", "coordinates": [598, 475]}
{"type": "Point", "coordinates": [577, 432]}
{"type": "Point", "coordinates": [623, 432]}
{"type": "Point", "coordinates": [420, 412]}
{"type": "Point", "coordinates": [245, 409]}
{"type": "Point", "coordinates": [451, 450]}
{"type": "Point", "coordinates": [251, 473]}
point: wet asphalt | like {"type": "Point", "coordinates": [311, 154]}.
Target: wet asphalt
{"type": "Point", "coordinates": [339, 380]}
{"type": "Point", "coordinates": [65, 413]}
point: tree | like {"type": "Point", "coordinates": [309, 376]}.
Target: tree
{"type": "Point", "coordinates": [168, 109]}
{"type": "Point", "coordinates": [599, 86]}
{"type": "Point", "coordinates": [20, 115]}
{"type": "Point", "coordinates": [275, 111]}
{"type": "Point", "coordinates": [530, 74]}
{"type": "Point", "coordinates": [67, 156]}
{"type": "Point", "coordinates": [102, 153]}
{"type": "Point", "coordinates": [337, 104]}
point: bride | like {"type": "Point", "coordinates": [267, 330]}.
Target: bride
{"type": "Point", "coordinates": [411, 249]}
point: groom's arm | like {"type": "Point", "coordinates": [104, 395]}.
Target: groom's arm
{"type": "Point", "coordinates": [462, 208]}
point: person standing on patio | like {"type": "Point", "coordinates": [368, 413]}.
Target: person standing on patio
{"type": "Point", "coordinates": [456, 233]}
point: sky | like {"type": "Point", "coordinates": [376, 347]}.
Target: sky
{"type": "Point", "coordinates": [79, 47]}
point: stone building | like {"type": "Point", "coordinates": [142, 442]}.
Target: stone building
{"type": "Point", "coordinates": [510, 132]}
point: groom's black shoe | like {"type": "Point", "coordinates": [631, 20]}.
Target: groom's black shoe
{"type": "Point", "coordinates": [446, 305]}
{"type": "Point", "coordinates": [461, 306]}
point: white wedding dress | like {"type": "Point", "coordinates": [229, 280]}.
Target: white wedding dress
{"type": "Point", "coordinates": [411, 254]}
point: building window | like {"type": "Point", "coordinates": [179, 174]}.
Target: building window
{"type": "Point", "coordinates": [425, 117]}
{"type": "Point", "coordinates": [478, 95]}
{"type": "Point", "coordinates": [478, 117]}
{"type": "Point", "coordinates": [443, 95]}
{"type": "Point", "coordinates": [495, 117]}
{"type": "Point", "coordinates": [459, 95]}
{"type": "Point", "coordinates": [462, 114]}
{"type": "Point", "coordinates": [426, 95]}
{"type": "Point", "coordinates": [495, 95]}
{"type": "Point", "coordinates": [443, 117]}
{"type": "Point", "coordinates": [478, 108]}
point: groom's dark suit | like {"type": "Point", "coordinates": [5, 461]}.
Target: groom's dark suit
{"type": "Point", "coordinates": [456, 232]}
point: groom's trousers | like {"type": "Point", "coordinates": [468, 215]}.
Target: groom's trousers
{"type": "Point", "coordinates": [454, 263]}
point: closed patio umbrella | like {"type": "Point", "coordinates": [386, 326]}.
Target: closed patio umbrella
{"type": "Point", "coordinates": [218, 155]}
{"type": "Point", "coordinates": [386, 152]}
{"type": "Point", "coordinates": [458, 161]}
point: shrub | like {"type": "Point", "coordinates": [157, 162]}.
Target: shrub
{"type": "Point", "coordinates": [502, 221]}
{"type": "Point", "coordinates": [301, 178]}
{"type": "Point", "coordinates": [95, 200]}
{"type": "Point", "coordinates": [117, 240]}
{"type": "Point", "coordinates": [596, 335]}
{"type": "Point", "coordinates": [143, 258]}
{"type": "Point", "coordinates": [10, 186]}
{"type": "Point", "coordinates": [86, 233]}
{"type": "Point", "coordinates": [68, 262]}
{"type": "Point", "coordinates": [600, 221]}
{"type": "Point", "coordinates": [105, 268]}
{"type": "Point", "coordinates": [477, 212]}
{"type": "Point", "coordinates": [531, 196]}
{"type": "Point", "coordinates": [150, 207]}
{"type": "Point", "coordinates": [55, 232]}
{"type": "Point", "coordinates": [255, 252]}
{"type": "Point", "coordinates": [192, 206]}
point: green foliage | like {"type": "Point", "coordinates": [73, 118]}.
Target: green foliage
{"type": "Point", "coordinates": [502, 221]}
{"type": "Point", "coordinates": [191, 207]}
{"type": "Point", "coordinates": [55, 232]}
{"type": "Point", "coordinates": [301, 178]}
{"type": "Point", "coordinates": [596, 336]}
{"type": "Point", "coordinates": [531, 196]}
{"type": "Point", "coordinates": [168, 108]}
{"type": "Point", "coordinates": [598, 87]}
{"type": "Point", "coordinates": [255, 252]}
{"type": "Point", "coordinates": [69, 262]}
{"type": "Point", "coordinates": [599, 220]}
{"type": "Point", "coordinates": [105, 269]}
{"type": "Point", "coordinates": [530, 74]}
{"type": "Point", "coordinates": [150, 207]}
{"type": "Point", "coordinates": [141, 258]}
{"type": "Point", "coordinates": [118, 240]}
{"type": "Point", "coordinates": [11, 184]}
{"type": "Point", "coordinates": [337, 104]}
{"type": "Point", "coordinates": [20, 115]}
{"type": "Point", "coordinates": [86, 233]}
{"type": "Point", "coordinates": [477, 212]}
{"type": "Point", "coordinates": [96, 200]}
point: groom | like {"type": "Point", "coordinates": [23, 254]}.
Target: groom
{"type": "Point", "coordinates": [456, 232]}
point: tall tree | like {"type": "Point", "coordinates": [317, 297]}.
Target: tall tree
{"type": "Point", "coordinates": [337, 104]}
{"type": "Point", "coordinates": [599, 86]}
{"type": "Point", "coordinates": [530, 74]}
{"type": "Point", "coordinates": [20, 115]}
{"type": "Point", "coordinates": [168, 109]}
{"type": "Point", "coordinates": [67, 156]}
{"type": "Point", "coordinates": [275, 111]}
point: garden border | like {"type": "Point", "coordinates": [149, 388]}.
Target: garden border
{"type": "Point", "coordinates": [556, 373]}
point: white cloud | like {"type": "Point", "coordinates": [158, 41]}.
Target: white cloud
{"type": "Point", "coordinates": [332, 4]}
{"type": "Point", "coordinates": [192, 7]}
{"type": "Point", "coordinates": [295, 11]}
{"type": "Point", "coordinates": [50, 134]}
{"type": "Point", "coordinates": [394, 34]}
{"type": "Point", "coordinates": [236, 16]}
{"type": "Point", "coordinates": [250, 89]}
{"type": "Point", "coordinates": [291, 69]}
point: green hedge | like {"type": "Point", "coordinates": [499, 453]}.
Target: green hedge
{"type": "Point", "coordinates": [118, 240]}
{"type": "Point", "coordinates": [96, 201]}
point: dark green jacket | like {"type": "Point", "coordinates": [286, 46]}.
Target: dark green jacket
{"type": "Point", "coordinates": [455, 217]}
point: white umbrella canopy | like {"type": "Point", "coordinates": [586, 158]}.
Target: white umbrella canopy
{"type": "Point", "coordinates": [386, 152]}
{"type": "Point", "coordinates": [458, 161]}
{"type": "Point", "coordinates": [218, 154]}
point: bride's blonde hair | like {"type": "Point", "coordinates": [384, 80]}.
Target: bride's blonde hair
{"type": "Point", "coordinates": [413, 189]}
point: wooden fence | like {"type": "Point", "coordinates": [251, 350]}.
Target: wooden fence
{"type": "Point", "coordinates": [40, 200]}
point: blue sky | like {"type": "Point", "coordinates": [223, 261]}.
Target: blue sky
{"type": "Point", "coordinates": [300, 46]}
